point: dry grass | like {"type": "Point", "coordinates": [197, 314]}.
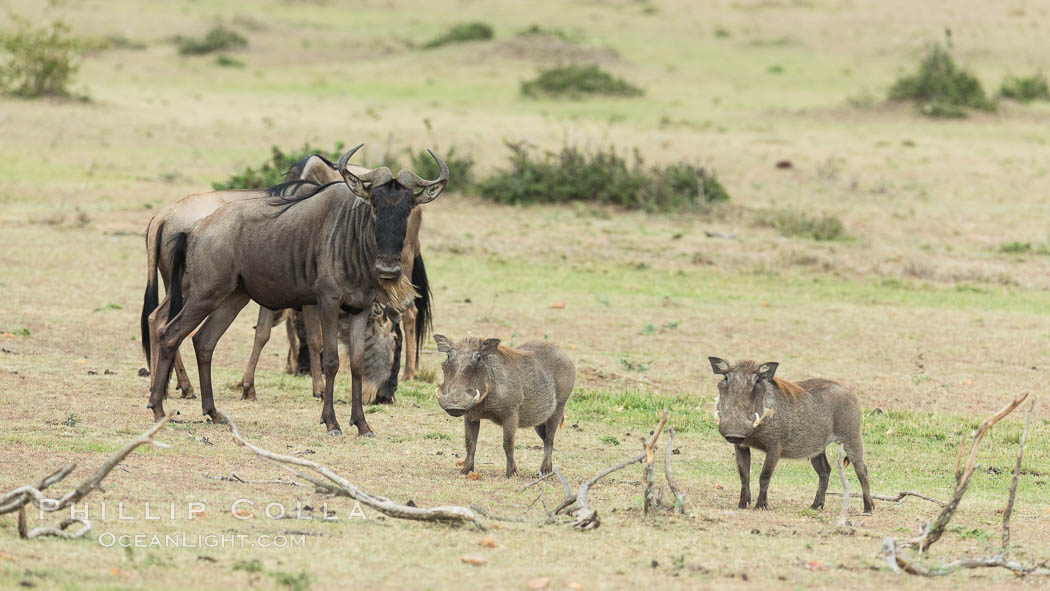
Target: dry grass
{"type": "Point", "coordinates": [919, 311]}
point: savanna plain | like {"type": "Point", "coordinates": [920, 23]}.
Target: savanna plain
{"type": "Point", "coordinates": [931, 303]}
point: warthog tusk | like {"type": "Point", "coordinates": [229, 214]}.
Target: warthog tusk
{"type": "Point", "coordinates": [437, 391]}
{"type": "Point", "coordinates": [718, 418]}
{"type": "Point", "coordinates": [477, 395]}
{"type": "Point", "coordinates": [758, 419]}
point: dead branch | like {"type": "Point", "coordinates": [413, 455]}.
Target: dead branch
{"type": "Point", "coordinates": [891, 547]}
{"type": "Point", "coordinates": [234, 477]}
{"type": "Point", "coordinates": [1013, 484]}
{"type": "Point", "coordinates": [899, 497]}
{"type": "Point", "coordinates": [537, 481]}
{"type": "Point", "coordinates": [17, 499]}
{"type": "Point", "coordinates": [444, 514]}
{"type": "Point", "coordinates": [679, 498]}
{"type": "Point", "coordinates": [587, 518]}
{"type": "Point", "coordinates": [650, 457]}
{"type": "Point", "coordinates": [843, 519]}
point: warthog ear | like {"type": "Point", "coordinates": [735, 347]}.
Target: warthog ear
{"type": "Point", "coordinates": [767, 369]}
{"type": "Point", "coordinates": [489, 346]}
{"type": "Point", "coordinates": [719, 366]}
{"type": "Point", "coordinates": [444, 345]}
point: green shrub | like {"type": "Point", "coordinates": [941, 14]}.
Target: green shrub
{"type": "Point", "coordinates": [540, 31]}
{"type": "Point", "coordinates": [604, 177]}
{"type": "Point", "coordinates": [460, 168]}
{"type": "Point", "coordinates": [273, 170]}
{"type": "Point", "coordinates": [218, 39]}
{"type": "Point", "coordinates": [577, 80]}
{"type": "Point", "coordinates": [39, 62]}
{"type": "Point", "coordinates": [1025, 89]}
{"type": "Point", "coordinates": [791, 222]}
{"type": "Point", "coordinates": [226, 61]}
{"type": "Point", "coordinates": [940, 87]}
{"type": "Point", "coordinates": [1018, 247]}
{"type": "Point", "coordinates": [461, 33]}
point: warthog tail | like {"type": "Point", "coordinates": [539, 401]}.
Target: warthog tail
{"type": "Point", "coordinates": [150, 300]}
{"type": "Point", "coordinates": [178, 269]}
{"type": "Point", "coordinates": [424, 317]}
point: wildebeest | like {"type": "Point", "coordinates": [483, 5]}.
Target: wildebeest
{"type": "Point", "coordinates": [335, 248]}
{"type": "Point", "coordinates": [786, 420]}
{"type": "Point", "coordinates": [525, 387]}
{"type": "Point", "coordinates": [415, 313]}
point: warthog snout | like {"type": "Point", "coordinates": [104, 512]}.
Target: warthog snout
{"type": "Point", "coordinates": [456, 412]}
{"type": "Point", "coordinates": [735, 439]}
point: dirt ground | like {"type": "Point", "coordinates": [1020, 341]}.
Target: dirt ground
{"type": "Point", "coordinates": [921, 311]}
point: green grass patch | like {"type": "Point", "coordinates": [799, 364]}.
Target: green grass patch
{"type": "Point", "coordinates": [797, 223]}
{"type": "Point", "coordinates": [225, 61]}
{"type": "Point", "coordinates": [535, 30]}
{"type": "Point", "coordinates": [941, 87]}
{"type": "Point", "coordinates": [219, 38]}
{"type": "Point", "coordinates": [601, 176]}
{"type": "Point", "coordinates": [1025, 89]}
{"type": "Point", "coordinates": [38, 61]}
{"type": "Point", "coordinates": [462, 33]}
{"type": "Point", "coordinates": [436, 435]}
{"type": "Point", "coordinates": [577, 81]}
{"type": "Point", "coordinates": [1018, 247]}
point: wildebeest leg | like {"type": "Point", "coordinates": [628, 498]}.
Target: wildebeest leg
{"type": "Point", "coordinates": [743, 467]}
{"type": "Point", "coordinates": [204, 345]}
{"type": "Point", "coordinates": [262, 334]}
{"type": "Point", "coordinates": [470, 437]}
{"type": "Point", "coordinates": [312, 323]}
{"type": "Point", "coordinates": [855, 453]}
{"type": "Point", "coordinates": [291, 366]}
{"type": "Point", "coordinates": [510, 426]}
{"type": "Point", "coordinates": [329, 322]}
{"type": "Point", "coordinates": [408, 326]}
{"type": "Point", "coordinates": [768, 466]}
{"type": "Point", "coordinates": [358, 326]}
{"type": "Point", "coordinates": [167, 336]}
{"type": "Point", "coordinates": [823, 468]}
{"type": "Point", "coordinates": [183, 378]}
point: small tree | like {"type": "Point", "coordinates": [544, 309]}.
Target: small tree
{"type": "Point", "coordinates": [40, 62]}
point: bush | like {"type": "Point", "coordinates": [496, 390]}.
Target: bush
{"type": "Point", "coordinates": [460, 168]}
{"type": "Point", "coordinates": [790, 222]}
{"type": "Point", "coordinates": [540, 31]}
{"type": "Point", "coordinates": [218, 39]}
{"type": "Point", "coordinates": [41, 62]}
{"type": "Point", "coordinates": [603, 177]}
{"type": "Point", "coordinates": [461, 33]}
{"type": "Point", "coordinates": [272, 171]}
{"type": "Point", "coordinates": [577, 80]}
{"type": "Point", "coordinates": [940, 87]}
{"type": "Point", "coordinates": [225, 61]}
{"type": "Point", "coordinates": [1025, 89]}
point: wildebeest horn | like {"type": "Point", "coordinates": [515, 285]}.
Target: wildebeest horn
{"type": "Point", "coordinates": [346, 157]}
{"type": "Point", "coordinates": [356, 180]}
{"type": "Point", "coordinates": [431, 189]}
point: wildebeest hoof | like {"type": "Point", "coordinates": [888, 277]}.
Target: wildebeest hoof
{"type": "Point", "coordinates": [367, 434]}
{"type": "Point", "coordinates": [187, 393]}
{"type": "Point", "coordinates": [334, 432]}
{"type": "Point", "coordinates": [761, 506]}
{"type": "Point", "coordinates": [318, 395]}
{"type": "Point", "coordinates": [816, 506]}
{"type": "Point", "coordinates": [217, 419]}
{"type": "Point", "coordinates": [466, 470]}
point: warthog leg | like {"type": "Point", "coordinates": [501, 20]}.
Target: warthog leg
{"type": "Point", "coordinates": [823, 468]}
{"type": "Point", "coordinates": [743, 467]}
{"type": "Point", "coordinates": [510, 426]}
{"type": "Point", "coordinates": [470, 437]}
{"type": "Point", "coordinates": [768, 466]}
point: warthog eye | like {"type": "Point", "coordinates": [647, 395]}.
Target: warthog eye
{"type": "Point", "coordinates": [477, 356]}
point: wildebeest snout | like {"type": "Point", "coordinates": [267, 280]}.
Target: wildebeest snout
{"type": "Point", "coordinates": [388, 268]}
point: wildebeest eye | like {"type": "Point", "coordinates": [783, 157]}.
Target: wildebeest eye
{"type": "Point", "coordinates": [477, 356]}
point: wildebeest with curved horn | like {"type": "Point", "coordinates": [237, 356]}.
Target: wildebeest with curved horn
{"type": "Point", "coordinates": [416, 313]}
{"type": "Point", "coordinates": [335, 248]}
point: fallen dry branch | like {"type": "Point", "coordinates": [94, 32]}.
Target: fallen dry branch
{"type": "Point", "coordinates": [899, 497]}
{"type": "Point", "coordinates": [1013, 485]}
{"type": "Point", "coordinates": [679, 498]}
{"type": "Point", "coordinates": [648, 476]}
{"type": "Point", "coordinates": [587, 518]}
{"type": "Point", "coordinates": [844, 518]}
{"type": "Point", "coordinates": [234, 477]}
{"type": "Point", "coordinates": [17, 499]}
{"type": "Point", "coordinates": [892, 548]}
{"type": "Point", "coordinates": [443, 514]}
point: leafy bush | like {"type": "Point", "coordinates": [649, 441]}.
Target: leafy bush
{"type": "Point", "coordinates": [1025, 89]}
{"type": "Point", "coordinates": [790, 222]}
{"type": "Point", "coordinates": [577, 80]}
{"type": "Point", "coordinates": [940, 87]}
{"type": "Point", "coordinates": [1018, 247]}
{"type": "Point", "coordinates": [272, 171]}
{"type": "Point", "coordinates": [40, 62]}
{"type": "Point", "coordinates": [226, 61]}
{"type": "Point", "coordinates": [218, 39]}
{"type": "Point", "coordinates": [461, 33]}
{"type": "Point", "coordinates": [602, 176]}
{"type": "Point", "coordinates": [460, 168]}
{"type": "Point", "coordinates": [540, 31]}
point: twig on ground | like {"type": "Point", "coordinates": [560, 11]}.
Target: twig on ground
{"type": "Point", "coordinates": [900, 497]}
{"type": "Point", "coordinates": [844, 518]}
{"type": "Point", "coordinates": [1013, 485]}
{"type": "Point", "coordinates": [537, 481]}
{"type": "Point", "coordinates": [234, 477]}
{"type": "Point", "coordinates": [17, 499]}
{"type": "Point", "coordinates": [679, 498]}
{"type": "Point", "coordinates": [648, 477]}
{"type": "Point", "coordinates": [891, 547]}
{"type": "Point", "coordinates": [444, 514]}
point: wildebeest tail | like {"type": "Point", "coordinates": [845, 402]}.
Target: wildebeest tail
{"type": "Point", "coordinates": [178, 269]}
{"type": "Point", "coordinates": [424, 318]}
{"type": "Point", "coordinates": [150, 301]}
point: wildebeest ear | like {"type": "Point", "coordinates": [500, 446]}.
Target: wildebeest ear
{"type": "Point", "coordinates": [767, 369]}
{"type": "Point", "coordinates": [719, 366]}
{"type": "Point", "coordinates": [444, 345]}
{"type": "Point", "coordinates": [357, 186]}
{"type": "Point", "coordinates": [489, 346]}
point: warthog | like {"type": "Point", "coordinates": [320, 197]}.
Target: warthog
{"type": "Point", "coordinates": [525, 387]}
{"type": "Point", "coordinates": [783, 419]}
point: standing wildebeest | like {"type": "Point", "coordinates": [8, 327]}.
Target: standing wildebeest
{"type": "Point", "coordinates": [336, 248]}
{"type": "Point", "coordinates": [786, 420]}
{"type": "Point", "coordinates": [525, 387]}
{"type": "Point", "coordinates": [415, 313]}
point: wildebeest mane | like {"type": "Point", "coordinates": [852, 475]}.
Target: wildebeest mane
{"type": "Point", "coordinates": [296, 169]}
{"type": "Point", "coordinates": [288, 194]}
